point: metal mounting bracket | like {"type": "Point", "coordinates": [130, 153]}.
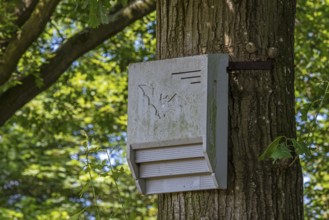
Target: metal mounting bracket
{"type": "Point", "coordinates": [249, 65]}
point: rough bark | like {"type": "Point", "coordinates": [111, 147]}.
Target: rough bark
{"type": "Point", "coordinates": [261, 105]}
{"type": "Point", "coordinates": [17, 96]}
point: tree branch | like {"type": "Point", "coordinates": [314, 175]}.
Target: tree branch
{"type": "Point", "coordinates": [30, 31]}
{"type": "Point", "coordinates": [16, 97]}
{"type": "Point", "coordinates": [24, 10]}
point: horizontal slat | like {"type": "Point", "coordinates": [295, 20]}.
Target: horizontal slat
{"type": "Point", "coordinates": [168, 153]}
{"type": "Point", "coordinates": [167, 143]}
{"type": "Point", "coordinates": [180, 184]}
{"type": "Point", "coordinates": [173, 167]}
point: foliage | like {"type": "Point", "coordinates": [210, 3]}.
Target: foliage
{"type": "Point", "coordinates": [312, 77]}
{"type": "Point", "coordinates": [98, 10]}
{"type": "Point", "coordinates": [7, 25]}
{"type": "Point", "coordinates": [48, 170]}
{"type": "Point", "coordinates": [282, 147]}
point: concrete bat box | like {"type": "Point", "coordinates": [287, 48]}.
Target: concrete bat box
{"type": "Point", "coordinates": [178, 124]}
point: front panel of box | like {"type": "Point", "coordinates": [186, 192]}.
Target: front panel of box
{"type": "Point", "coordinates": [167, 100]}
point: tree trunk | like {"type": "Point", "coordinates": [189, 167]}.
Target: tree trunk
{"type": "Point", "coordinates": [261, 104]}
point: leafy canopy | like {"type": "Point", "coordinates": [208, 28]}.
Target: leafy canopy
{"type": "Point", "coordinates": [62, 154]}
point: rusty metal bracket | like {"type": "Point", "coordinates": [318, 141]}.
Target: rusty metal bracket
{"type": "Point", "coordinates": [250, 65]}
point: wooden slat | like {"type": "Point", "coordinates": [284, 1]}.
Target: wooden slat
{"type": "Point", "coordinates": [180, 184]}
{"type": "Point", "coordinates": [167, 143]}
{"type": "Point", "coordinates": [173, 167]}
{"type": "Point", "coordinates": [169, 153]}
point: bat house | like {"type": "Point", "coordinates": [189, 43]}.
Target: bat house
{"type": "Point", "coordinates": [178, 124]}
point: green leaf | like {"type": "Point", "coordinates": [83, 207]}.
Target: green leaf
{"type": "Point", "coordinates": [124, 2]}
{"type": "Point", "coordinates": [93, 149]}
{"type": "Point", "coordinates": [300, 147]}
{"type": "Point", "coordinates": [281, 152]}
{"type": "Point", "coordinates": [103, 14]}
{"type": "Point", "coordinates": [77, 215]}
{"type": "Point", "coordinates": [271, 148]}
{"type": "Point", "coordinates": [84, 189]}
{"type": "Point", "coordinates": [93, 18]}
{"type": "Point", "coordinates": [305, 109]}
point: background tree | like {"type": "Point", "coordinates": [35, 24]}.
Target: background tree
{"type": "Point", "coordinates": [61, 154]}
{"type": "Point", "coordinates": [312, 78]}
{"type": "Point", "coordinates": [56, 50]}
{"type": "Point", "coordinates": [261, 104]}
